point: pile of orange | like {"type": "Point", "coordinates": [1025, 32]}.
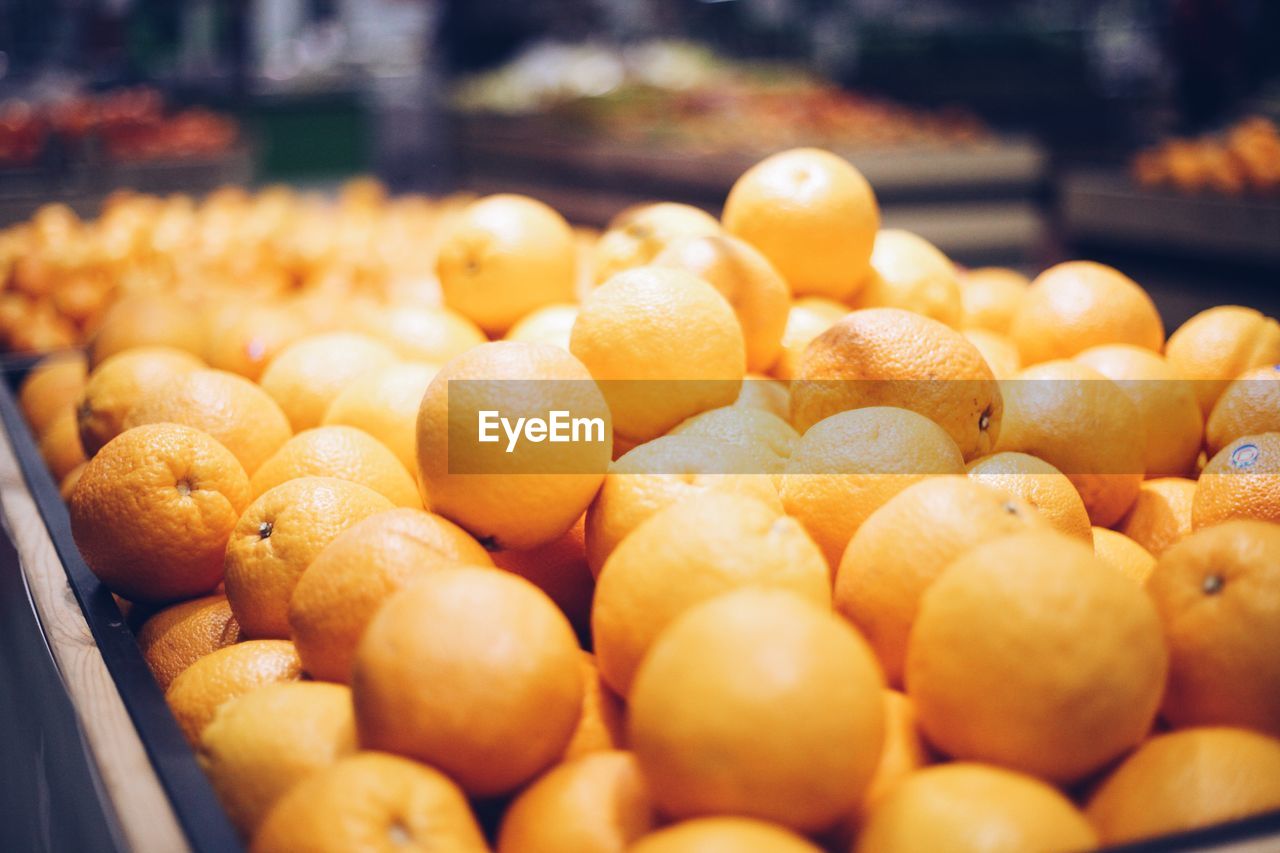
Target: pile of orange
{"type": "Point", "coordinates": [869, 553]}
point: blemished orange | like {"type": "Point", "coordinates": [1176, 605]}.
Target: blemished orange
{"type": "Point", "coordinates": [974, 808]}
{"type": "Point", "coordinates": [504, 256]}
{"type": "Point", "coordinates": [1039, 484]}
{"type": "Point", "coordinates": [997, 350]}
{"type": "Point", "coordinates": [228, 407]}
{"type": "Point", "coordinates": [768, 438]}
{"type": "Point", "coordinates": [990, 297]}
{"type": "Point", "coordinates": [370, 801]}
{"type": "Point", "coordinates": [195, 695]}
{"type": "Point", "coordinates": [278, 536]}
{"type": "Point", "coordinates": [147, 320]}
{"type": "Point", "coordinates": [846, 467]}
{"type": "Point", "coordinates": [1248, 406]}
{"type": "Point", "coordinates": [154, 509]}
{"type": "Point", "coordinates": [1219, 344]}
{"type": "Point", "coordinates": [51, 389]}
{"type": "Point", "coordinates": [384, 403]}
{"type": "Point", "coordinates": [598, 802]}
{"type": "Point", "coordinates": [1187, 780]}
{"type": "Point", "coordinates": [259, 745]}
{"type": "Point", "coordinates": [559, 569]}
{"type": "Point", "coordinates": [636, 236]}
{"type": "Point", "coordinates": [250, 337]}
{"type": "Point", "coordinates": [1123, 554]}
{"type": "Point", "coordinates": [813, 215]}
{"type": "Point", "coordinates": [723, 835]}
{"type": "Point", "coordinates": [664, 344]}
{"type": "Point", "coordinates": [809, 317]}
{"type": "Point", "coordinates": [60, 446]}
{"type": "Point", "coordinates": [178, 636]}
{"type": "Point", "coordinates": [362, 567]}
{"type": "Point", "coordinates": [550, 324]}
{"type": "Point", "coordinates": [343, 452]}
{"type": "Point", "coordinates": [906, 544]}
{"type": "Point", "coordinates": [118, 383]}
{"type": "Point", "coordinates": [758, 703]}
{"type": "Point", "coordinates": [533, 495]}
{"type": "Point", "coordinates": [1241, 481]}
{"type": "Point", "coordinates": [756, 292]}
{"type": "Point", "coordinates": [909, 272]}
{"type": "Point", "coordinates": [602, 724]}
{"type": "Point", "coordinates": [691, 551]}
{"type": "Point", "coordinates": [1215, 592]}
{"type": "Point", "coordinates": [891, 357]}
{"type": "Point", "coordinates": [1081, 304]}
{"type": "Point", "coordinates": [1031, 654]}
{"type": "Point", "coordinates": [1082, 423]}
{"type": "Point", "coordinates": [423, 334]}
{"type": "Point", "coordinates": [309, 374]}
{"type": "Point", "coordinates": [1161, 516]}
{"type": "Point", "coordinates": [473, 671]}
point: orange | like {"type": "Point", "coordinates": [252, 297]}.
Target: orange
{"type": "Point", "coordinates": [758, 703]}
{"type": "Point", "coordinates": [1216, 595]}
{"type": "Point", "coordinates": [637, 236]}
{"type": "Point", "coordinates": [974, 807]}
{"type": "Point", "coordinates": [1029, 653]}
{"type": "Point", "coordinates": [1161, 516]}
{"type": "Point", "coordinates": [558, 568]}
{"type": "Point", "coordinates": [228, 407]}
{"type": "Point", "coordinates": [908, 272]}
{"type": "Point", "coordinates": [532, 495]}
{"type": "Point", "coordinates": [905, 545]}
{"type": "Point", "coordinates": [813, 215]}
{"type": "Point", "coordinates": [997, 350]}
{"type": "Point", "coordinates": [247, 338]}
{"type": "Point", "coordinates": [847, 466]}
{"type": "Point", "coordinates": [1080, 304]}
{"type": "Point", "coordinates": [278, 536]}
{"type": "Point", "coordinates": [370, 801]}
{"type": "Point", "coordinates": [259, 745]}
{"type": "Point", "coordinates": [808, 318]}
{"type": "Point", "coordinates": [69, 482]}
{"type": "Point", "coordinates": [550, 324]}
{"type": "Point", "coordinates": [504, 256]}
{"type": "Point", "coordinates": [1039, 484]}
{"type": "Point", "coordinates": [687, 553]}
{"type": "Point", "coordinates": [1187, 780]}
{"type": "Point", "coordinates": [1122, 554]}
{"type": "Point", "coordinates": [423, 334]}
{"type": "Point", "coordinates": [153, 510]}
{"type": "Point", "coordinates": [1241, 481]}
{"type": "Point", "coordinates": [767, 437]}
{"type": "Point", "coordinates": [118, 383]}
{"type": "Point", "coordinates": [343, 452]}
{"type": "Point", "coordinates": [756, 292]}
{"type": "Point", "coordinates": [1166, 403]}
{"type": "Point", "coordinates": [51, 388]}
{"type": "Point", "coordinates": [473, 671]}
{"type": "Point", "coordinates": [990, 297]}
{"type": "Point", "coordinates": [1248, 406]}
{"type": "Point", "coordinates": [1083, 424]}
{"type": "Point", "coordinates": [1219, 344]}
{"type": "Point", "coordinates": [767, 395]}
{"type": "Point", "coordinates": [904, 751]}
{"type": "Point", "coordinates": [309, 374]}
{"type": "Point", "coordinates": [672, 337]}
{"type": "Point", "coordinates": [195, 695]}
{"type": "Point", "coordinates": [384, 403]}
{"type": "Point", "coordinates": [180, 635]}
{"type": "Point", "coordinates": [364, 565]}
{"type": "Point", "coordinates": [723, 835]}
{"type": "Point", "coordinates": [601, 725]}
{"type": "Point", "coordinates": [60, 446]}
{"type": "Point", "coordinates": [147, 320]}
{"type": "Point", "coordinates": [890, 357]}
{"type": "Point", "coordinates": [597, 802]}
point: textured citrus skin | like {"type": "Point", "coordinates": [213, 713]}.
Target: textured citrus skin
{"type": "Point", "coordinates": [990, 297]}
{"type": "Point", "coordinates": [276, 538]}
{"type": "Point", "coordinates": [693, 550]}
{"type": "Point", "coordinates": [1186, 780]}
{"type": "Point", "coordinates": [310, 373]}
{"type": "Point", "coordinates": [906, 544]}
{"type": "Point", "coordinates": [812, 214]}
{"type": "Point", "coordinates": [364, 565]}
{"type": "Point", "coordinates": [909, 272]}
{"type": "Point", "coordinates": [180, 635]}
{"type": "Point", "coordinates": [198, 691]}
{"type": "Point", "coordinates": [505, 256]}
{"type": "Point", "coordinates": [723, 835]}
{"type": "Point", "coordinates": [343, 452]}
{"type": "Point", "coordinates": [370, 801]}
{"type": "Point", "coordinates": [1161, 516]}
{"type": "Point", "coordinates": [966, 806]}
{"type": "Point", "coordinates": [1080, 304]}
{"type": "Point", "coordinates": [997, 350]}
{"type": "Point", "coordinates": [115, 385]}
{"type": "Point", "coordinates": [1241, 481]}
{"type": "Point", "coordinates": [153, 510]}
{"type": "Point", "coordinates": [228, 407]}
{"type": "Point", "coordinates": [259, 745]}
{"type": "Point", "coordinates": [422, 334]}
{"type": "Point", "coordinates": [1123, 554]}
{"type": "Point", "coordinates": [1039, 484]}
{"type": "Point", "coordinates": [1219, 344]}
{"type": "Point", "coordinates": [1216, 593]}
{"type": "Point", "coordinates": [891, 357]}
{"type": "Point", "coordinates": [1031, 654]}
{"type": "Point", "coordinates": [1248, 406]}
{"type": "Point", "coordinates": [384, 404]}
{"type": "Point", "coordinates": [636, 237]}
{"type": "Point", "coordinates": [766, 436]}
{"type": "Point", "coordinates": [473, 671]}
{"type": "Point", "coordinates": [51, 388]}
{"type": "Point", "coordinates": [60, 446]}
{"type": "Point", "coordinates": [597, 802]}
